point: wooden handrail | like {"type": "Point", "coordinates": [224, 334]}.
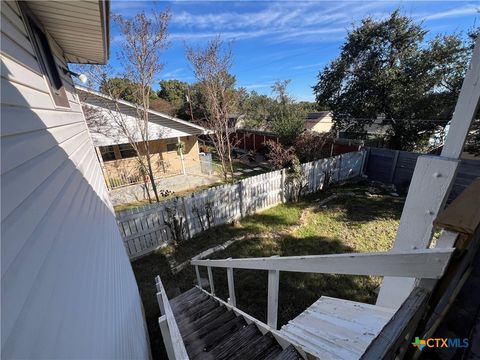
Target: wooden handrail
{"type": "Point", "coordinates": [168, 325]}
{"type": "Point", "coordinates": [424, 263]}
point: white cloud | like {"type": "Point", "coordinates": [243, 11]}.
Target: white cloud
{"type": "Point", "coordinates": [172, 74]}
{"type": "Point", "coordinates": [308, 66]}
{"type": "Point", "coordinates": [280, 21]}
{"type": "Point", "coordinates": [257, 86]}
{"type": "Point", "coordinates": [455, 12]}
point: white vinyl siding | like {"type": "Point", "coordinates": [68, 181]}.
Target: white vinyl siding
{"type": "Point", "coordinates": [68, 290]}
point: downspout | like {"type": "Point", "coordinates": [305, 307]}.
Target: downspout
{"type": "Point", "coordinates": [181, 156]}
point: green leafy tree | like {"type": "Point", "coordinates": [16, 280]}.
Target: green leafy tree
{"type": "Point", "coordinates": [255, 108]}
{"type": "Point", "coordinates": [123, 88]}
{"type": "Point", "coordinates": [287, 118]}
{"type": "Point", "coordinates": [385, 67]}
{"type": "Point", "coordinates": [176, 92]}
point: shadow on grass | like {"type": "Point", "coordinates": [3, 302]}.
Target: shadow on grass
{"type": "Point", "coordinates": [363, 210]}
{"type": "Point", "coordinates": [272, 220]}
{"type": "Point", "coordinates": [297, 290]}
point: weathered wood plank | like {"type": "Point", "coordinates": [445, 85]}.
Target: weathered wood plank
{"type": "Point", "coordinates": [465, 109]}
{"type": "Point", "coordinates": [337, 329]}
{"type": "Point", "coordinates": [272, 307]}
{"type": "Point", "coordinates": [389, 341]}
{"type": "Point", "coordinates": [428, 193]}
{"type": "Point", "coordinates": [426, 263]}
{"type": "Point", "coordinates": [463, 214]}
{"type": "Point", "coordinates": [231, 287]}
{"type": "Point", "coordinates": [210, 280]}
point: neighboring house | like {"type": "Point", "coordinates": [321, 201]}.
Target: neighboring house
{"type": "Point", "coordinates": [378, 129]}
{"type": "Point", "coordinates": [173, 142]}
{"type": "Point", "coordinates": [68, 289]}
{"type": "Point", "coordinates": [320, 122]}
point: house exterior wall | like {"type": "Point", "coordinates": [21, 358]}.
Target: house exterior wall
{"type": "Point", "coordinates": [68, 290]}
{"type": "Point", "coordinates": [164, 162]}
{"type": "Point", "coordinates": [322, 126]}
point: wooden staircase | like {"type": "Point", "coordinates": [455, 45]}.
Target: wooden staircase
{"type": "Point", "coordinates": [211, 331]}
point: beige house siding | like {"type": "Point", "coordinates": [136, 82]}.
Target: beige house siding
{"type": "Point", "coordinates": [322, 125]}
{"type": "Point", "coordinates": [164, 162]}
{"type": "Point", "coordinates": [68, 290]}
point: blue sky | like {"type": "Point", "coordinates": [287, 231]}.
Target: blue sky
{"type": "Point", "coordinates": [282, 39]}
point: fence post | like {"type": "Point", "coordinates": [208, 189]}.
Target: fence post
{"type": "Point", "coordinates": [210, 280]}
{"type": "Point", "coordinates": [185, 211]}
{"type": "Point", "coordinates": [339, 170]}
{"type": "Point", "coordinates": [272, 309]}
{"type": "Point", "coordinates": [231, 287]}
{"type": "Point", "coordinates": [242, 204]}
{"type": "Point", "coordinates": [199, 279]}
{"type": "Point", "coordinates": [365, 162]}
{"type": "Point", "coordinates": [282, 185]}
{"type": "Point", "coordinates": [394, 166]}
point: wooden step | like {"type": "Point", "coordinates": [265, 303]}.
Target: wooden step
{"type": "Point", "coordinates": [210, 340]}
{"type": "Point", "coordinates": [187, 327]}
{"type": "Point", "coordinates": [210, 331]}
{"type": "Point", "coordinates": [259, 349]}
{"type": "Point", "coordinates": [219, 321]}
{"type": "Point", "coordinates": [289, 353]}
{"type": "Point", "coordinates": [235, 342]}
{"type": "Point", "coordinates": [337, 329]}
{"type": "Point", "coordinates": [197, 311]}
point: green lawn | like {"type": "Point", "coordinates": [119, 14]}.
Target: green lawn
{"type": "Point", "coordinates": [346, 224]}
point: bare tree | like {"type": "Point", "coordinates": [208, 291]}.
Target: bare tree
{"type": "Point", "coordinates": [211, 66]}
{"type": "Point", "coordinates": [145, 37]}
{"type": "Point", "coordinates": [143, 40]}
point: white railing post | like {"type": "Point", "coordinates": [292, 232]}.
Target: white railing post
{"type": "Point", "coordinates": [231, 287]}
{"type": "Point", "coordinates": [272, 309]}
{"type": "Point", "coordinates": [160, 303]}
{"type": "Point", "coordinates": [167, 340]}
{"type": "Point", "coordinates": [199, 280]}
{"type": "Point", "coordinates": [210, 280]}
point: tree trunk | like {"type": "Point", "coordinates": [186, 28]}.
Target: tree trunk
{"type": "Point", "coordinates": [152, 180]}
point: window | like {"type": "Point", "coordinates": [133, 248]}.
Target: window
{"type": "Point", "coordinates": [45, 57]}
{"type": "Point", "coordinates": [172, 147]}
{"type": "Point", "coordinates": [107, 153]}
{"type": "Point", "coordinates": [127, 151]}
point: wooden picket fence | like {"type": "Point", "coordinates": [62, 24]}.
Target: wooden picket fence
{"type": "Point", "coordinates": [149, 227]}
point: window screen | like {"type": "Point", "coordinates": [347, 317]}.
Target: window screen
{"type": "Point", "coordinates": [127, 151]}
{"type": "Point", "coordinates": [107, 153]}
{"type": "Point", "coordinates": [45, 57]}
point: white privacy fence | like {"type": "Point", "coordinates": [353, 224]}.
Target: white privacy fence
{"type": "Point", "coordinates": [146, 228]}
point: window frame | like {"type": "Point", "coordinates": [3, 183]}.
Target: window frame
{"type": "Point", "coordinates": [128, 151]}
{"type": "Point", "coordinates": [108, 149]}
{"type": "Point", "coordinates": [45, 58]}
{"type": "Point", "coordinates": [174, 145]}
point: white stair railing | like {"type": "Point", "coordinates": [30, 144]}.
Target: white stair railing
{"type": "Point", "coordinates": [421, 264]}
{"type": "Point", "coordinates": [168, 326]}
